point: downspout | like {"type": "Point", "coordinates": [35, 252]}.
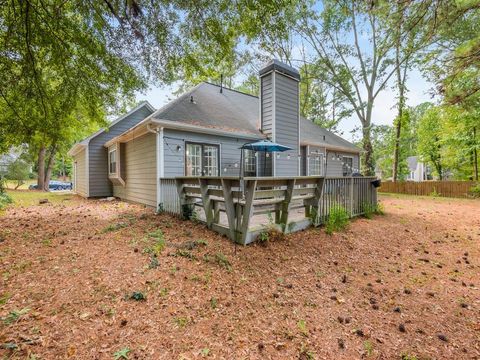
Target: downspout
{"type": "Point", "coordinates": [158, 131]}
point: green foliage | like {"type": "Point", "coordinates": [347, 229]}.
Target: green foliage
{"type": "Point", "coordinates": [185, 253]}
{"type": "Point", "coordinates": [370, 209]}
{"type": "Point", "coordinates": [14, 316]}
{"type": "Point", "coordinates": [180, 321]}
{"type": "Point", "coordinates": [138, 296]}
{"type": "Point", "coordinates": [368, 346]}
{"type": "Point", "coordinates": [19, 171]}
{"type": "Point", "coordinates": [159, 242]}
{"type": "Point", "coordinates": [475, 191]}
{"type": "Point", "coordinates": [121, 354]}
{"type": "Point", "coordinates": [5, 200]}
{"type": "Point", "coordinates": [219, 259]}
{"type": "Point", "coordinates": [338, 219]}
{"type": "Point", "coordinates": [114, 227]}
{"type": "Point", "coordinates": [302, 326]}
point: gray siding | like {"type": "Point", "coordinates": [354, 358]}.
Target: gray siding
{"type": "Point", "coordinates": [287, 124]}
{"type": "Point", "coordinates": [98, 155]}
{"type": "Point", "coordinates": [139, 162]}
{"type": "Point", "coordinates": [80, 178]}
{"type": "Point", "coordinates": [174, 161]}
{"type": "Point", "coordinates": [266, 88]}
{"type": "Point", "coordinates": [334, 166]}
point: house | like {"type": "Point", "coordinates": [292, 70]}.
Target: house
{"type": "Point", "coordinates": [200, 134]}
{"type": "Point", "coordinates": [418, 171]}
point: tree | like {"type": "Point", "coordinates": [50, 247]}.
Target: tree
{"type": "Point", "coordinates": [18, 171]}
{"type": "Point", "coordinates": [358, 69]}
{"type": "Point", "coordinates": [430, 139]}
{"type": "Point", "coordinates": [320, 103]}
{"type": "Point", "coordinates": [65, 65]}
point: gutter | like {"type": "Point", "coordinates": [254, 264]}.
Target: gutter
{"type": "Point", "coordinates": [160, 166]}
{"type": "Point", "coordinates": [175, 125]}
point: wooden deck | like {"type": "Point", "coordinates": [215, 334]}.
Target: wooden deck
{"type": "Point", "coordinates": [242, 209]}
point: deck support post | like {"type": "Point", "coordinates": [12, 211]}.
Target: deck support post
{"type": "Point", "coordinates": [247, 212]}
{"type": "Point", "coordinates": [229, 208]}
{"type": "Point", "coordinates": [286, 204]}
{"type": "Point", "coordinates": [207, 203]}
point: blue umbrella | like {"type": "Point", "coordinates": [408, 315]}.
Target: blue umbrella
{"type": "Point", "coordinates": [262, 145]}
{"type": "Point", "coordinates": [266, 145]}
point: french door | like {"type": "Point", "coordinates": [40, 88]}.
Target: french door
{"type": "Point", "coordinates": [202, 160]}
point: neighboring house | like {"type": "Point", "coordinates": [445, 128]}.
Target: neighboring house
{"type": "Point", "coordinates": [11, 156]}
{"type": "Point", "coordinates": [200, 134]}
{"type": "Point", "coordinates": [418, 171]}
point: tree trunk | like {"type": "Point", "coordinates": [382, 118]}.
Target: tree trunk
{"type": "Point", "coordinates": [51, 161]}
{"type": "Point", "coordinates": [41, 168]}
{"type": "Point", "coordinates": [368, 150]}
{"type": "Point", "coordinates": [475, 155]}
{"type": "Point", "coordinates": [367, 140]}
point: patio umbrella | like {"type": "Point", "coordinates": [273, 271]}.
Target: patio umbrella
{"type": "Point", "coordinates": [266, 145]}
{"type": "Point", "coordinates": [262, 145]}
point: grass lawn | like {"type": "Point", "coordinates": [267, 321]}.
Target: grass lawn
{"type": "Point", "coordinates": [11, 184]}
{"type": "Point", "coordinates": [88, 279]}
{"type": "Point", "coordinates": [32, 197]}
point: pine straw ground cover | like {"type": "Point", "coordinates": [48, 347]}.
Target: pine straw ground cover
{"type": "Point", "coordinates": [80, 280]}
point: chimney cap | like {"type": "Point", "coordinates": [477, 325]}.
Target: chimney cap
{"type": "Point", "coordinates": [280, 67]}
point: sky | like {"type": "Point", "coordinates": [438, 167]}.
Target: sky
{"type": "Point", "coordinates": [419, 91]}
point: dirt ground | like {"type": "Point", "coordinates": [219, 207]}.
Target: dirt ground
{"type": "Point", "coordinates": [80, 280]}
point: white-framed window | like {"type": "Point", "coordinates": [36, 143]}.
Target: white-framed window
{"type": "Point", "coordinates": [250, 165]}
{"type": "Point", "coordinates": [202, 159]}
{"type": "Point", "coordinates": [347, 165]}
{"type": "Point", "coordinates": [315, 164]}
{"type": "Point", "coordinates": [210, 156]}
{"type": "Point", "coordinates": [112, 162]}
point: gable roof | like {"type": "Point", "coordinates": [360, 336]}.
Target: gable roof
{"type": "Point", "coordinates": [239, 113]}
{"type": "Point", "coordinates": [84, 143]}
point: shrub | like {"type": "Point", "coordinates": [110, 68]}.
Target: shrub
{"type": "Point", "coordinates": [5, 200]}
{"type": "Point", "coordinates": [158, 245]}
{"type": "Point", "coordinates": [475, 191]}
{"type": "Point", "coordinates": [370, 209]}
{"type": "Point", "coordinates": [337, 219]}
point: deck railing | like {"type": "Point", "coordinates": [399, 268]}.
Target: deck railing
{"type": "Point", "coordinates": [277, 197]}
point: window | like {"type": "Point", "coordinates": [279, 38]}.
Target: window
{"type": "Point", "coordinates": [347, 166]}
{"type": "Point", "coordinates": [210, 156]}
{"type": "Point", "coordinates": [250, 165]}
{"type": "Point", "coordinates": [202, 160]}
{"type": "Point", "coordinates": [316, 164]}
{"type": "Point", "coordinates": [112, 162]}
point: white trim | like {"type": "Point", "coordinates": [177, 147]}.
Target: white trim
{"type": "Point", "coordinates": [86, 141]}
{"type": "Point", "coordinates": [160, 163]}
{"type": "Point", "coordinates": [115, 174]}
{"type": "Point", "coordinates": [87, 170]}
{"type": "Point", "coordinates": [332, 147]}
{"type": "Point", "coordinates": [175, 125]}
{"type": "Point", "coordinates": [274, 122]}
{"type": "Point", "coordinates": [161, 153]}
{"type": "Point", "coordinates": [350, 157]}
{"type": "Point", "coordinates": [307, 160]}
{"type": "Point", "coordinates": [298, 127]}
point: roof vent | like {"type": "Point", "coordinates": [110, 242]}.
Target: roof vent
{"type": "Point", "coordinates": [191, 100]}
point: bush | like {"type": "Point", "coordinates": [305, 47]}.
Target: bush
{"type": "Point", "coordinates": [5, 200]}
{"type": "Point", "coordinates": [338, 219]}
{"type": "Point", "coordinates": [370, 209]}
{"type": "Point", "coordinates": [475, 191]}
